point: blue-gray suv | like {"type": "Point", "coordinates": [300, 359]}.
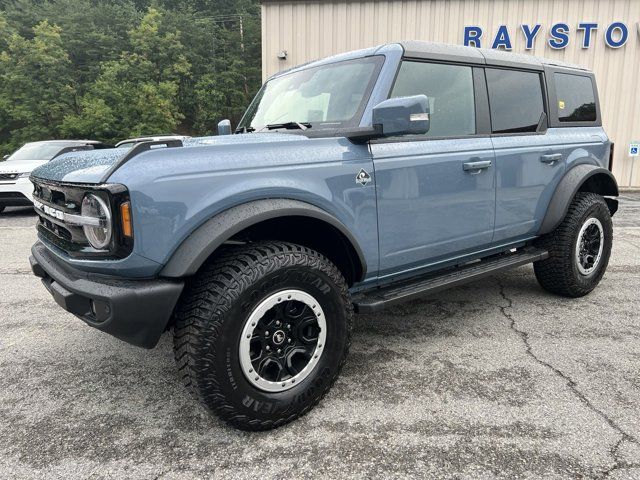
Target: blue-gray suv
{"type": "Point", "coordinates": [351, 183]}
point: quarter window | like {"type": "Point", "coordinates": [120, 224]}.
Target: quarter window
{"type": "Point", "coordinates": [516, 100]}
{"type": "Point", "coordinates": [576, 100]}
{"type": "Point", "coordinates": [450, 92]}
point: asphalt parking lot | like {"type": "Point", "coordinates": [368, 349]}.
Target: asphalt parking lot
{"type": "Point", "coordinates": [493, 379]}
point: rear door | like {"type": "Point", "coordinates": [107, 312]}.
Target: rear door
{"type": "Point", "coordinates": [436, 192]}
{"type": "Point", "coordinates": [529, 161]}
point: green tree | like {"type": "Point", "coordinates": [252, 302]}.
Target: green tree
{"type": "Point", "coordinates": [36, 87]}
{"type": "Point", "coordinates": [125, 67]}
{"type": "Point", "coordinates": [138, 93]}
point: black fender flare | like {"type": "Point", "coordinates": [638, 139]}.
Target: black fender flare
{"type": "Point", "coordinates": [204, 240]}
{"type": "Point", "coordinates": [597, 179]}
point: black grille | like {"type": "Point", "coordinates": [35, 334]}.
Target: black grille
{"type": "Point", "coordinates": [69, 238]}
{"type": "Point", "coordinates": [68, 199]}
{"type": "Point", "coordinates": [8, 176]}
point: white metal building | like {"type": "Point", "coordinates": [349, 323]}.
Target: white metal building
{"type": "Point", "coordinates": [601, 35]}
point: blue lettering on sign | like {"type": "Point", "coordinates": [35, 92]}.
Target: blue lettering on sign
{"type": "Point", "coordinates": [588, 28]}
{"type": "Point", "coordinates": [472, 36]}
{"type": "Point", "coordinates": [559, 36]}
{"type": "Point", "coordinates": [616, 35]}
{"type": "Point", "coordinates": [530, 35]}
{"type": "Point", "coordinates": [502, 38]}
{"type": "Point", "coordinates": [624, 34]}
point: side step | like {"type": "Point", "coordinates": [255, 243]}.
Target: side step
{"type": "Point", "coordinates": [378, 299]}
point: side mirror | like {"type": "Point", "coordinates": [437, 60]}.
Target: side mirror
{"type": "Point", "coordinates": [5, 157]}
{"type": "Point", "coordinates": [224, 127]}
{"type": "Point", "coordinates": [402, 116]}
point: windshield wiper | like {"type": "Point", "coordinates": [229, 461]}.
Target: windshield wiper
{"type": "Point", "coordinates": [288, 125]}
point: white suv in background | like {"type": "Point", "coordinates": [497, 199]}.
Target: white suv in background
{"type": "Point", "coordinates": [15, 187]}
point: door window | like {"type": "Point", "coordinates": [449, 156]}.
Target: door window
{"type": "Point", "coordinates": [450, 92]}
{"type": "Point", "coordinates": [516, 100]}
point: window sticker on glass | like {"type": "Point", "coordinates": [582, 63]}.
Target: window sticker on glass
{"type": "Point", "coordinates": [561, 104]}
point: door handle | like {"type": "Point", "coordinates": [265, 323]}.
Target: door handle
{"type": "Point", "coordinates": [551, 158]}
{"type": "Point", "coordinates": [476, 166]}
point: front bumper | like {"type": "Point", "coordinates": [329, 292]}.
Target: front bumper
{"type": "Point", "coordinates": [16, 194]}
{"type": "Point", "coordinates": [136, 311]}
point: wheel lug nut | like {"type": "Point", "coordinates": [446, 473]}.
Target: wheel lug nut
{"type": "Point", "coordinates": [278, 323]}
{"type": "Point", "coordinates": [268, 347]}
{"type": "Point", "coordinates": [279, 351]}
{"type": "Point", "coordinates": [266, 334]}
{"type": "Point", "coordinates": [288, 340]}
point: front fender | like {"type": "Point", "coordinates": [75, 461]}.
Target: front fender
{"type": "Point", "coordinates": [587, 177]}
{"type": "Point", "coordinates": [198, 246]}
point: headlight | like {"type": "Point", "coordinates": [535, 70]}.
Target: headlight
{"type": "Point", "coordinates": [24, 175]}
{"type": "Point", "coordinates": [93, 206]}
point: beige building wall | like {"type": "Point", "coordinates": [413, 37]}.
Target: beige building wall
{"type": "Point", "coordinates": [313, 29]}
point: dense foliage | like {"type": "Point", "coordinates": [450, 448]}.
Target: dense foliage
{"type": "Point", "coordinates": [108, 70]}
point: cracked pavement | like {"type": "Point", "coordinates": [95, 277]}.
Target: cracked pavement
{"type": "Point", "coordinates": [494, 379]}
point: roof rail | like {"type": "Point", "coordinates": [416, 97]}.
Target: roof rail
{"type": "Point", "coordinates": [137, 150]}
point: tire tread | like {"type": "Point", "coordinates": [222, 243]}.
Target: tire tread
{"type": "Point", "coordinates": [200, 317]}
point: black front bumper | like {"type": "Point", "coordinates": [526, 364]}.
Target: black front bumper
{"type": "Point", "coordinates": [136, 311]}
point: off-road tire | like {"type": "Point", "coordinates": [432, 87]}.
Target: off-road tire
{"type": "Point", "coordinates": [214, 309]}
{"type": "Point", "coordinates": [559, 273]}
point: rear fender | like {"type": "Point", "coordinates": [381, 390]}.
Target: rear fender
{"type": "Point", "coordinates": [588, 178]}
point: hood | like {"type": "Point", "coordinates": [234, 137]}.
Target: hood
{"type": "Point", "coordinates": [90, 166]}
{"type": "Point", "coordinates": [20, 166]}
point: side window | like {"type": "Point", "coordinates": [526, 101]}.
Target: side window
{"type": "Point", "coordinates": [450, 92]}
{"type": "Point", "coordinates": [576, 99]}
{"type": "Point", "coordinates": [516, 100]}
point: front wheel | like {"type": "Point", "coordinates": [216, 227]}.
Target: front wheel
{"type": "Point", "coordinates": [262, 333]}
{"type": "Point", "coordinates": [579, 249]}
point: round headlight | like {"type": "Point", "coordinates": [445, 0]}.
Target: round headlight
{"type": "Point", "coordinates": [93, 206]}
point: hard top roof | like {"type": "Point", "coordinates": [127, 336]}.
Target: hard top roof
{"type": "Point", "coordinates": [443, 52]}
{"type": "Point", "coordinates": [484, 56]}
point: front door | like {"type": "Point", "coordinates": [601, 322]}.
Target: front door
{"type": "Point", "coordinates": [436, 193]}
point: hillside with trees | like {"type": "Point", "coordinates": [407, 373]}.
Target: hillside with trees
{"type": "Point", "coordinates": [110, 70]}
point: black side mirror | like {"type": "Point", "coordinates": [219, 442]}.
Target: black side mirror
{"type": "Point", "coordinates": [403, 116]}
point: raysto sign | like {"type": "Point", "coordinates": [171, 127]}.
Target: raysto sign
{"type": "Point", "coordinates": [616, 35]}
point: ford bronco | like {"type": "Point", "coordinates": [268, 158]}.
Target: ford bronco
{"type": "Point", "coordinates": [351, 183]}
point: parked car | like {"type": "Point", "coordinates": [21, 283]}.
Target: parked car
{"type": "Point", "coordinates": [15, 187]}
{"type": "Point", "coordinates": [357, 182]}
{"type": "Point", "coordinates": [130, 142]}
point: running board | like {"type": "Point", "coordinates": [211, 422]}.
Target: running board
{"type": "Point", "coordinates": [378, 299]}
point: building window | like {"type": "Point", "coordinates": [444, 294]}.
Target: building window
{"type": "Point", "coordinates": [516, 100]}
{"type": "Point", "coordinates": [576, 100]}
{"type": "Point", "coordinates": [450, 92]}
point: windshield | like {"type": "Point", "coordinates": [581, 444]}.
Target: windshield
{"type": "Point", "coordinates": [37, 151]}
{"type": "Point", "coordinates": [326, 96]}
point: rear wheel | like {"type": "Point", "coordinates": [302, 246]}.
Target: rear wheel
{"type": "Point", "coordinates": [579, 249]}
{"type": "Point", "coordinates": [262, 333]}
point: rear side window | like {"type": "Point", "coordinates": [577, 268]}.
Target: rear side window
{"type": "Point", "coordinates": [516, 100]}
{"type": "Point", "coordinates": [576, 98]}
{"type": "Point", "coordinates": [450, 92]}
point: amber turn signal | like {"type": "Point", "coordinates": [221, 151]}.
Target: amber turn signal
{"type": "Point", "coordinates": [125, 218]}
